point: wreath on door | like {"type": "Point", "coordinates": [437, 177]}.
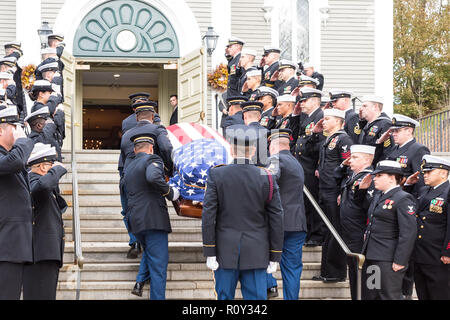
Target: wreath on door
{"type": "Point", "coordinates": [28, 77]}
{"type": "Point", "coordinates": [218, 79]}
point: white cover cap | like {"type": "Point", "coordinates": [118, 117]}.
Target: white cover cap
{"type": "Point", "coordinates": [362, 148]}
{"type": "Point", "coordinates": [334, 113]}
{"type": "Point", "coordinates": [41, 150]}
{"type": "Point", "coordinates": [286, 98]}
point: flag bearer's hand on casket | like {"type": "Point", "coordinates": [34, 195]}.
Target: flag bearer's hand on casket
{"type": "Point", "coordinates": [272, 267]}
{"type": "Point", "coordinates": [176, 194]}
{"type": "Point", "coordinates": [211, 263]}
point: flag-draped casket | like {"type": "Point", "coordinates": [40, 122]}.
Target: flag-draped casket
{"type": "Point", "coordinates": [196, 149]}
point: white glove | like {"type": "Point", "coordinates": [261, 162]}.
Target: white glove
{"type": "Point", "coordinates": [176, 194]}
{"type": "Point", "coordinates": [56, 88]}
{"type": "Point", "coordinates": [272, 267]}
{"type": "Point", "coordinates": [211, 263]}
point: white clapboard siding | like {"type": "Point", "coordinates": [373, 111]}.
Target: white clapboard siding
{"type": "Point", "coordinates": [202, 13]}
{"type": "Point", "coordinates": [348, 46]}
{"type": "Point", "coordinates": [247, 23]}
{"type": "Point", "coordinates": [50, 10]}
{"type": "Point", "coordinates": [7, 23]}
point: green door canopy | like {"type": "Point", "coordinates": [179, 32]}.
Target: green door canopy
{"type": "Point", "coordinates": [128, 29]}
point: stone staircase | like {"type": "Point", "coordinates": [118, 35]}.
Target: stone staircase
{"type": "Point", "coordinates": [108, 274]}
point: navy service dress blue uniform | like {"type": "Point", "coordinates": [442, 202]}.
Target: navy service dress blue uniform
{"type": "Point", "coordinates": [147, 214]}
{"type": "Point", "coordinates": [351, 125]}
{"type": "Point", "coordinates": [290, 178]}
{"type": "Point", "coordinates": [266, 115]}
{"type": "Point", "coordinates": [268, 72]}
{"type": "Point", "coordinates": [353, 215]}
{"type": "Point", "coordinates": [286, 87]}
{"type": "Point", "coordinates": [235, 118]}
{"type": "Point", "coordinates": [41, 277]}
{"type": "Point", "coordinates": [234, 71]}
{"type": "Point", "coordinates": [334, 151]}
{"type": "Point", "coordinates": [431, 275]}
{"type": "Point", "coordinates": [15, 211]}
{"type": "Point", "coordinates": [242, 225]}
{"type": "Point", "coordinates": [306, 151]}
{"type": "Point", "coordinates": [390, 235]}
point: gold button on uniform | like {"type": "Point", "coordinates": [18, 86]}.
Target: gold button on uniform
{"type": "Point", "coordinates": [420, 237]}
{"type": "Point", "coordinates": [421, 227]}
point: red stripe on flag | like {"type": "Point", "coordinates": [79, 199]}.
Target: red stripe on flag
{"type": "Point", "coordinates": [202, 130]}
{"type": "Point", "coordinates": [180, 134]}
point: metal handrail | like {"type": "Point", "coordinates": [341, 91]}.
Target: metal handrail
{"type": "Point", "coordinates": [76, 230]}
{"type": "Point", "coordinates": [359, 257]}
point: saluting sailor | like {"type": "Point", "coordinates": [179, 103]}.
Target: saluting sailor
{"type": "Point", "coordinates": [340, 99]}
{"type": "Point", "coordinates": [268, 97]}
{"type": "Point", "coordinates": [431, 253]}
{"type": "Point", "coordinates": [270, 64]}
{"type": "Point", "coordinates": [287, 76]}
{"type": "Point", "coordinates": [233, 50]}
{"type": "Point", "coordinates": [242, 223]}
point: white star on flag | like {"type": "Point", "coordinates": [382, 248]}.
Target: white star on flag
{"type": "Point", "coordinates": [203, 173]}
{"type": "Point", "coordinates": [190, 192]}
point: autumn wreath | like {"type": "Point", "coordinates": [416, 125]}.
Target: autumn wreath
{"type": "Point", "coordinates": [219, 78]}
{"type": "Point", "coordinates": [28, 76]}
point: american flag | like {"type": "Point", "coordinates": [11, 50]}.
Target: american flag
{"type": "Point", "coordinates": [197, 148]}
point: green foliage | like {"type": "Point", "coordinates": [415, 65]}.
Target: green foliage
{"type": "Point", "coordinates": [421, 56]}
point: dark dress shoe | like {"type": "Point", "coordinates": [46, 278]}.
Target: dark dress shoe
{"type": "Point", "coordinates": [137, 290]}
{"type": "Point", "coordinates": [312, 243]}
{"type": "Point", "coordinates": [317, 278]}
{"type": "Point", "coordinates": [407, 297]}
{"type": "Point", "coordinates": [134, 251]}
{"type": "Point", "coordinates": [272, 292]}
{"type": "Point", "coordinates": [333, 280]}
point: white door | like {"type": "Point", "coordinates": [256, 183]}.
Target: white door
{"type": "Point", "coordinates": [192, 87]}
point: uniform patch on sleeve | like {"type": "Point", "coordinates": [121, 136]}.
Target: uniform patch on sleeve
{"type": "Point", "coordinates": [411, 210]}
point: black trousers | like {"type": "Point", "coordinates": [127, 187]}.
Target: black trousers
{"type": "Point", "coordinates": [334, 260]}
{"type": "Point", "coordinates": [11, 278]}
{"type": "Point", "coordinates": [408, 280]}
{"type": "Point", "coordinates": [40, 280]}
{"type": "Point", "coordinates": [390, 282]}
{"type": "Point", "coordinates": [432, 281]}
{"type": "Point", "coordinates": [314, 223]}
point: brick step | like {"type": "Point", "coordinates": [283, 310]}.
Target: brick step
{"type": "Point", "coordinates": [193, 290]}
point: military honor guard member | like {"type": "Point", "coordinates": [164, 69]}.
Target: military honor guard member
{"type": "Point", "coordinates": [13, 49]}
{"type": "Point", "coordinates": [373, 123]}
{"type": "Point", "coordinates": [308, 69]}
{"type": "Point", "coordinates": [144, 114]}
{"type": "Point", "coordinates": [340, 99]}
{"type": "Point", "coordinates": [246, 63]}
{"type": "Point", "coordinates": [242, 223]}
{"type": "Point", "coordinates": [391, 232]}
{"type": "Point", "coordinates": [287, 76]}
{"type": "Point", "coordinates": [147, 215]}
{"type": "Point", "coordinates": [353, 211]}
{"type": "Point", "coordinates": [284, 116]}
{"type": "Point", "coordinates": [405, 149]}
{"type": "Point", "coordinates": [45, 130]}
{"type": "Point", "coordinates": [41, 277]}
{"type": "Point", "coordinates": [334, 151]}
{"type": "Point", "coordinates": [306, 151]}
{"type": "Point", "coordinates": [268, 97]}
{"type": "Point", "coordinates": [234, 112]}
{"type": "Point", "coordinates": [233, 51]}
{"type": "Point", "coordinates": [251, 113]}
{"type": "Point", "coordinates": [270, 64]}
{"type": "Point", "coordinates": [252, 83]}
{"type": "Point", "coordinates": [42, 94]}
{"type": "Point", "coordinates": [431, 253]}
{"type": "Point", "coordinates": [290, 178]}
{"type": "Point", "coordinates": [307, 82]}
{"type": "Point", "coordinates": [15, 204]}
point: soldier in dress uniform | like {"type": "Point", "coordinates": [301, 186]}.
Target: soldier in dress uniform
{"type": "Point", "coordinates": [431, 253]}
{"type": "Point", "coordinates": [307, 151]}
{"type": "Point", "coordinates": [233, 51]}
{"type": "Point", "coordinates": [51, 72]}
{"type": "Point", "coordinates": [234, 112]}
{"type": "Point", "coordinates": [147, 215]}
{"type": "Point", "coordinates": [287, 76]}
{"type": "Point", "coordinates": [268, 97]}
{"type": "Point", "coordinates": [307, 82]}
{"type": "Point", "coordinates": [353, 212]}
{"type": "Point", "coordinates": [163, 148]}
{"type": "Point", "coordinates": [13, 49]}
{"type": "Point", "coordinates": [340, 99]}
{"type": "Point", "coordinates": [43, 94]}
{"type": "Point", "coordinates": [251, 113]}
{"type": "Point", "coordinates": [270, 64]}
{"type": "Point", "coordinates": [252, 83]}
{"type": "Point", "coordinates": [242, 223]}
{"type": "Point", "coordinates": [45, 130]}
{"type": "Point", "coordinates": [284, 116]}
{"type": "Point", "coordinates": [334, 151]}
{"type": "Point", "coordinates": [308, 69]}
{"type": "Point", "coordinates": [41, 277]}
{"type": "Point", "coordinates": [392, 231]}
{"type": "Point", "coordinates": [15, 204]}
{"type": "Point", "coordinates": [246, 63]}
{"type": "Point", "coordinates": [290, 178]}
{"type": "Point", "coordinates": [373, 123]}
